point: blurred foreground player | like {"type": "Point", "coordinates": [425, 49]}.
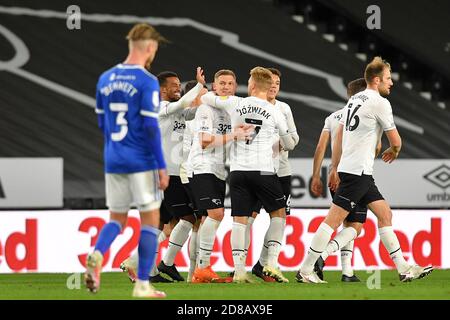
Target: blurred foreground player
{"type": "Point", "coordinates": [127, 107]}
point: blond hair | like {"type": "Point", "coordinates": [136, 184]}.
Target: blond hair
{"type": "Point", "coordinates": [262, 78]}
{"type": "Point", "coordinates": [375, 69]}
{"type": "Point", "coordinates": [143, 32]}
{"type": "Point", "coordinates": [224, 72]}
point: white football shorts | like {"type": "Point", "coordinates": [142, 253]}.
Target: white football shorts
{"type": "Point", "coordinates": [138, 189]}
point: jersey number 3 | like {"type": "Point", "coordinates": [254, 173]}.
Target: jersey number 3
{"type": "Point", "coordinates": [122, 109]}
{"type": "Point", "coordinates": [350, 116]}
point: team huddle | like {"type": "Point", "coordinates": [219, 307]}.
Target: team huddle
{"type": "Point", "coordinates": [158, 139]}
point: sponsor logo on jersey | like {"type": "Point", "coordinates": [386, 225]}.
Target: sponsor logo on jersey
{"type": "Point", "coordinates": [179, 126]}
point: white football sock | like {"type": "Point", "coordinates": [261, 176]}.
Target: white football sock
{"type": "Point", "coordinates": [238, 246]}
{"type": "Point", "coordinates": [346, 258]}
{"type": "Point", "coordinates": [275, 238]}
{"type": "Point", "coordinates": [318, 245]}
{"type": "Point", "coordinates": [248, 229]}
{"type": "Point", "coordinates": [154, 271]}
{"type": "Point", "coordinates": [392, 245]}
{"type": "Point", "coordinates": [162, 236]}
{"type": "Point", "coordinates": [192, 252]}
{"type": "Point", "coordinates": [197, 245]}
{"type": "Point", "coordinates": [207, 237]}
{"type": "Point", "coordinates": [264, 252]}
{"type": "Point", "coordinates": [177, 239]}
{"type": "Point", "coordinates": [134, 258]}
{"type": "Point", "coordinates": [340, 240]}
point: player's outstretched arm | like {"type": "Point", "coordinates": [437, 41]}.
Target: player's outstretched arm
{"type": "Point", "coordinates": [287, 142]}
{"type": "Point", "coordinates": [316, 183]}
{"type": "Point", "coordinates": [189, 113]}
{"type": "Point", "coordinates": [242, 133]}
{"type": "Point", "coordinates": [287, 139]}
{"type": "Point", "coordinates": [292, 129]}
{"type": "Point", "coordinates": [395, 142]}
{"type": "Point", "coordinates": [187, 99]}
{"type": "Point", "coordinates": [200, 77]}
{"type": "Point", "coordinates": [151, 126]}
{"type": "Point", "coordinates": [223, 102]}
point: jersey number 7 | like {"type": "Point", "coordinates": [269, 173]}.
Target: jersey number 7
{"type": "Point", "coordinates": [258, 124]}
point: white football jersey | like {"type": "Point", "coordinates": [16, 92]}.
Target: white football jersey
{"type": "Point", "coordinates": [365, 117]}
{"type": "Point", "coordinates": [254, 155]}
{"type": "Point", "coordinates": [211, 159]}
{"type": "Point", "coordinates": [172, 120]}
{"type": "Point", "coordinates": [284, 167]}
{"type": "Point", "coordinates": [332, 124]}
{"type": "Point", "coordinates": [188, 137]}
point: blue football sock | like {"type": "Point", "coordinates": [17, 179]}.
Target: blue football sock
{"type": "Point", "coordinates": [147, 250]}
{"type": "Point", "coordinates": [109, 232]}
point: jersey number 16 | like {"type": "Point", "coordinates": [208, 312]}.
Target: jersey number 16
{"type": "Point", "coordinates": [350, 116]}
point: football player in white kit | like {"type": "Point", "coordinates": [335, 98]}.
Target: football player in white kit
{"type": "Point", "coordinates": [365, 117]}
{"type": "Point", "coordinates": [179, 195]}
{"type": "Point", "coordinates": [207, 160]}
{"type": "Point", "coordinates": [344, 239]}
{"type": "Point", "coordinates": [284, 172]}
{"type": "Point", "coordinates": [186, 178]}
{"type": "Point", "coordinates": [252, 174]}
{"type": "Point", "coordinates": [174, 111]}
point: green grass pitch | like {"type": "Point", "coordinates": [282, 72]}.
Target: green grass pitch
{"type": "Point", "coordinates": [116, 285]}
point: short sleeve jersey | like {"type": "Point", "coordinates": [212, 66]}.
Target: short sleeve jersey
{"type": "Point", "coordinates": [365, 117]}
{"type": "Point", "coordinates": [125, 95]}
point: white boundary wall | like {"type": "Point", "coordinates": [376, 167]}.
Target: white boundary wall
{"type": "Point", "coordinates": [57, 241]}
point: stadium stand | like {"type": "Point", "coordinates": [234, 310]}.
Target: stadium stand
{"type": "Point", "coordinates": [413, 37]}
{"type": "Point", "coordinates": [47, 101]}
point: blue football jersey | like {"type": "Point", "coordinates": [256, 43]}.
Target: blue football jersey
{"type": "Point", "coordinates": [125, 95]}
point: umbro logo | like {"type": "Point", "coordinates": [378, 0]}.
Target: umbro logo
{"type": "Point", "coordinates": [217, 202]}
{"type": "Point", "coordinates": [439, 176]}
{"type": "Point", "coordinates": [352, 204]}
